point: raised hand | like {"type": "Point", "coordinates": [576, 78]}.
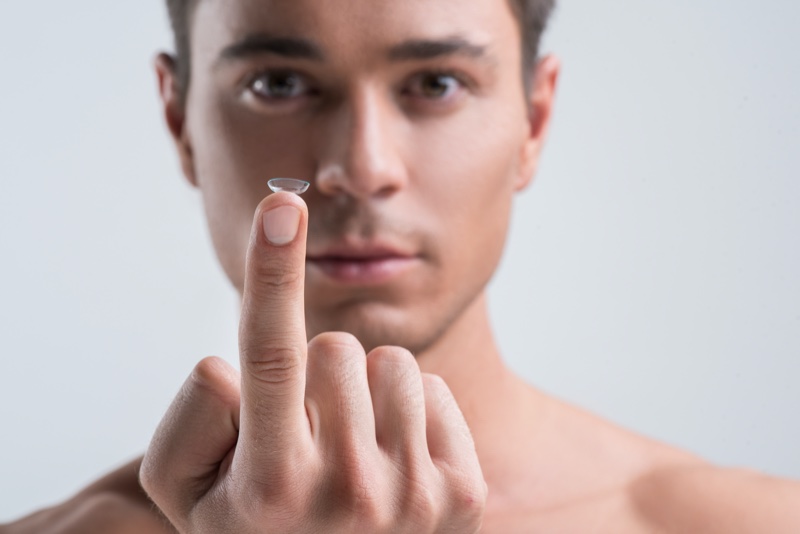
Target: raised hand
{"type": "Point", "coordinates": [313, 437]}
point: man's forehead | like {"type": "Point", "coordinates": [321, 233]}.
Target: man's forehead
{"type": "Point", "coordinates": [311, 29]}
{"type": "Point", "coordinates": [287, 46]}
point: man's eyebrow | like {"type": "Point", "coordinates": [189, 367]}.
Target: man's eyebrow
{"type": "Point", "coordinates": [421, 49]}
{"type": "Point", "coordinates": [259, 43]}
{"type": "Point", "coordinates": [300, 48]}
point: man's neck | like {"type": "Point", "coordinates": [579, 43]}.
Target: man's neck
{"type": "Point", "coordinates": [468, 359]}
{"type": "Point", "coordinates": [494, 401]}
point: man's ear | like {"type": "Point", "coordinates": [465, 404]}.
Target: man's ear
{"type": "Point", "coordinates": [175, 112]}
{"type": "Point", "coordinates": [540, 110]}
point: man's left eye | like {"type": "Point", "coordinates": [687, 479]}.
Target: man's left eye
{"type": "Point", "coordinates": [437, 86]}
{"type": "Point", "coordinates": [278, 85]}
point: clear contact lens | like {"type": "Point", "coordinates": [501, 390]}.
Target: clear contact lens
{"type": "Point", "coordinates": [291, 185]}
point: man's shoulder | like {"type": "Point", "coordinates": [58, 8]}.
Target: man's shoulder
{"type": "Point", "coordinates": [699, 497]}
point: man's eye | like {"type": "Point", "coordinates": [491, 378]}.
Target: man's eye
{"type": "Point", "coordinates": [437, 86]}
{"type": "Point", "coordinates": [277, 85]}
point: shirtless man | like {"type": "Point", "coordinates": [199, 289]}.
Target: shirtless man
{"type": "Point", "coordinates": [415, 122]}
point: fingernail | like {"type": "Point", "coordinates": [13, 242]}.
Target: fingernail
{"type": "Point", "coordinates": [280, 224]}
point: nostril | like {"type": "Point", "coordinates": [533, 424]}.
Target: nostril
{"type": "Point", "coordinates": [331, 181]}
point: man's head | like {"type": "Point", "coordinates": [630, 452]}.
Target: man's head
{"type": "Point", "coordinates": [411, 120]}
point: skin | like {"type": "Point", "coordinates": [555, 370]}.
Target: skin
{"type": "Point", "coordinates": [434, 173]}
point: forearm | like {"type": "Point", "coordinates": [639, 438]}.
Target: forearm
{"type": "Point", "coordinates": [115, 504]}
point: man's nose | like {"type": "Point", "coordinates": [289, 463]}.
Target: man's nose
{"type": "Point", "coordinates": [361, 149]}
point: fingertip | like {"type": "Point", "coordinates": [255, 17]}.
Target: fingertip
{"type": "Point", "coordinates": [213, 370]}
{"type": "Point", "coordinates": [218, 377]}
{"type": "Point", "coordinates": [282, 217]}
{"type": "Point", "coordinates": [282, 198]}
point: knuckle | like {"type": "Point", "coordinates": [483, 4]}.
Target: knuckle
{"type": "Point", "coordinates": [437, 393]}
{"type": "Point", "coordinates": [391, 356]}
{"type": "Point", "coordinates": [422, 504]}
{"type": "Point", "coordinates": [335, 354]}
{"type": "Point", "coordinates": [282, 493]}
{"type": "Point", "coordinates": [282, 278]}
{"type": "Point", "coordinates": [359, 492]}
{"type": "Point", "coordinates": [335, 358]}
{"type": "Point", "coordinates": [245, 510]}
{"type": "Point", "coordinates": [274, 365]}
{"type": "Point", "coordinates": [396, 368]}
{"type": "Point", "coordinates": [335, 344]}
{"type": "Point", "coordinates": [276, 273]}
{"type": "Point", "coordinates": [352, 484]}
{"type": "Point", "coordinates": [468, 495]}
{"type": "Point", "coordinates": [435, 385]}
{"type": "Point", "coordinates": [211, 373]}
{"type": "Point", "coordinates": [212, 381]}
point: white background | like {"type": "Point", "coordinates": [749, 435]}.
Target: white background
{"type": "Point", "coordinates": [651, 274]}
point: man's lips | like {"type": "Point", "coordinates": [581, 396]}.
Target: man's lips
{"type": "Point", "coordinates": [362, 265]}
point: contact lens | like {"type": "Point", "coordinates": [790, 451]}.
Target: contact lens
{"type": "Point", "coordinates": [291, 185]}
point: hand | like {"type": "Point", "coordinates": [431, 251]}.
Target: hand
{"type": "Point", "coordinates": [314, 437]}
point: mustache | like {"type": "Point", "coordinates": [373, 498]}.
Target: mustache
{"type": "Point", "coordinates": [357, 220]}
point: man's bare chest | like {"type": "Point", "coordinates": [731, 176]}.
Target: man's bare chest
{"type": "Point", "coordinates": [611, 513]}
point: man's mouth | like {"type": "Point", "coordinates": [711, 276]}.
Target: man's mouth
{"type": "Point", "coordinates": [361, 264]}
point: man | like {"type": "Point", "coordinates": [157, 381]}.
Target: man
{"type": "Point", "coordinates": [415, 123]}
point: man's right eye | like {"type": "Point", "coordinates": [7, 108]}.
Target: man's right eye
{"type": "Point", "coordinates": [278, 85]}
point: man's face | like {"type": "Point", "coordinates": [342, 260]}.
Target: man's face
{"type": "Point", "coordinates": [409, 120]}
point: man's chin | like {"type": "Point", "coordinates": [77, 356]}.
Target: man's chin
{"type": "Point", "coordinates": [374, 324]}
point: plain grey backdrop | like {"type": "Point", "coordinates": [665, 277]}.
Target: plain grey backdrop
{"type": "Point", "coordinates": [652, 273]}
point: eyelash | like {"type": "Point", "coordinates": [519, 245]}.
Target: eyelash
{"type": "Point", "coordinates": [460, 79]}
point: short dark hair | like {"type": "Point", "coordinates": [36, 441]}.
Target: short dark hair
{"type": "Point", "coordinates": [532, 16]}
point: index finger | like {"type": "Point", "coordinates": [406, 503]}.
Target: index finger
{"type": "Point", "coordinates": [272, 336]}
